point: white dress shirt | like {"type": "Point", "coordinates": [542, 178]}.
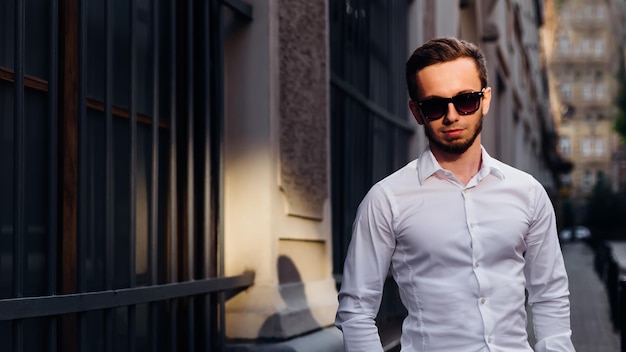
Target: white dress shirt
{"type": "Point", "coordinates": [462, 256]}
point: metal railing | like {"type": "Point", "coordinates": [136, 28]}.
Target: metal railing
{"type": "Point", "coordinates": [608, 270]}
{"type": "Point", "coordinates": [32, 307]}
{"type": "Point", "coordinates": [110, 235]}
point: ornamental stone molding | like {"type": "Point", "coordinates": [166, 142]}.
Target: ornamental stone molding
{"type": "Point", "coordinates": [303, 131]}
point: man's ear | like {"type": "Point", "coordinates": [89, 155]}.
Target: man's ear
{"type": "Point", "coordinates": [486, 103]}
{"type": "Point", "coordinates": [416, 112]}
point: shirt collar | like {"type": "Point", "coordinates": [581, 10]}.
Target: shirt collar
{"type": "Point", "coordinates": [427, 165]}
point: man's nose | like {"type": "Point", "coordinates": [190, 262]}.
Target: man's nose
{"type": "Point", "coordinates": [452, 115]}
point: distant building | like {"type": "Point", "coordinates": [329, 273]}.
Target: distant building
{"type": "Point", "coordinates": [584, 47]}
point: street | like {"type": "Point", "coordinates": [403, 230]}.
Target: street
{"type": "Point", "coordinates": [591, 325]}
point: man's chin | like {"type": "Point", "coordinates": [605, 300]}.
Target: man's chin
{"type": "Point", "coordinates": [454, 147]}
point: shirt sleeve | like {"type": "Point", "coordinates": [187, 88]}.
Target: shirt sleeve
{"type": "Point", "coordinates": [546, 278]}
{"type": "Point", "coordinates": [365, 270]}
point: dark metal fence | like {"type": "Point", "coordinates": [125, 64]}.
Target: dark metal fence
{"type": "Point", "coordinates": [110, 125]}
{"type": "Point", "coordinates": [370, 130]}
{"type": "Point", "coordinates": [622, 313]}
{"type": "Point", "coordinates": [608, 270]}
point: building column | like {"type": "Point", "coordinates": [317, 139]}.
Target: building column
{"type": "Point", "coordinates": [276, 182]}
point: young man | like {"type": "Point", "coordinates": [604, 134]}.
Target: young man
{"type": "Point", "coordinates": [464, 234]}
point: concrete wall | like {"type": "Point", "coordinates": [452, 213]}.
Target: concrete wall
{"type": "Point", "coordinates": [276, 188]}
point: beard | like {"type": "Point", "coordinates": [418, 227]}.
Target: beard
{"type": "Point", "coordinates": [455, 146]}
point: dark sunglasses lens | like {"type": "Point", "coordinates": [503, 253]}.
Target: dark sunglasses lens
{"type": "Point", "coordinates": [434, 108]}
{"type": "Point", "coordinates": [466, 103]}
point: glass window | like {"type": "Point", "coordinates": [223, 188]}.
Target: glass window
{"type": "Point", "coordinates": [564, 44]}
{"type": "Point", "coordinates": [599, 149]}
{"type": "Point", "coordinates": [600, 91]}
{"type": "Point", "coordinates": [566, 179]}
{"type": "Point", "coordinates": [601, 12]}
{"type": "Point", "coordinates": [586, 46]}
{"type": "Point", "coordinates": [566, 91]}
{"type": "Point", "coordinates": [566, 12]}
{"type": "Point", "coordinates": [586, 146]}
{"type": "Point", "coordinates": [598, 47]}
{"type": "Point", "coordinates": [566, 146]}
{"type": "Point", "coordinates": [576, 49]}
{"type": "Point", "coordinates": [587, 180]}
{"type": "Point", "coordinates": [587, 91]}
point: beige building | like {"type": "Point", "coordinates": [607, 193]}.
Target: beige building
{"type": "Point", "coordinates": [584, 50]}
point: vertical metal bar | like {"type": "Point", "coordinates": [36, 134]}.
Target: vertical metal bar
{"type": "Point", "coordinates": [109, 259]}
{"type": "Point", "coordinates": [173, 230]}
{"type": "Point", "coordinates": [612, 289]}
{"type": "Point", "coordinates": [206, 169]}
{"type": "Point", "coordinates": [82, 130]}
{"type": "Point", "coordinates": [133, 141]}
{"type": "Point", "coordinates": [108, 116]}
{"type": "Point", "coordinates": [172, 185]}
{"type": "Point", "coordinates": [82, 203]}
{"type": "Point", "coordinates": [52, 166]}
{"type": "Point", "coordinates": [68, 160]}
{"type": "Point", "coordinates": [154, 211]}
{"type": "Point", "coordinates": [18, 172]}
{"type": "Point", "coordinates": [190, 141]}
{"type": "Point", "coordinates": [622, 313]}
{"type": "Point", "coordinates": [217, 70]}
{"type": "Point", "coordinates": [190, 171]}
{"type": "Point", "coordinates": [133, 170]}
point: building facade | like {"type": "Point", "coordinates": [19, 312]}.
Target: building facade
{"type": "Point", "coordinates": [584, 47]}
{"type": "Point", "coordinates": [184, 174]}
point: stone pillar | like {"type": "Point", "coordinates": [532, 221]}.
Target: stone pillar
{"type": "Point", "coordinates": [277, 179]}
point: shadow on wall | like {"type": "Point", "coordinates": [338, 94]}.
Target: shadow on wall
{"type": "Point", "coordinates": [296, 318]}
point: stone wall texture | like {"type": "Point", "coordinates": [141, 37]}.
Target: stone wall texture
{"type": "Point", "coordinates": [304, 105]}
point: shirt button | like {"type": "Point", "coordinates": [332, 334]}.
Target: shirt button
{"type": "Point", "coordinates": [482, 300]}
{"type": "Point", "coordinates": [489, 340]}
{"type": "Point", "coordinates": [477, 264]}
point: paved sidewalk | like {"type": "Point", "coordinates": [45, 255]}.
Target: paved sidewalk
{"type": "Point", "coordinates": [591, 325]}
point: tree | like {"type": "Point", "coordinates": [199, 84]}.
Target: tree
{"type": "Point", "coordinates": [620, 103]}
{"type": "Point", "coordinates": [605, 210]}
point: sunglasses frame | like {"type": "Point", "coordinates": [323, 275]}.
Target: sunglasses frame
{"type": "Point", "coordinates": [447, 101]}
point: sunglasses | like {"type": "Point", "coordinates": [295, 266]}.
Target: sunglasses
{"type": "Point", "coordinates": [465, 104]}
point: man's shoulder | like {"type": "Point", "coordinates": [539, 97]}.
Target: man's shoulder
{"type": "Point", "coordinates": [512, 173]}
{"type": "Point", "coordinates": [399, 180]}
{"type": "Point", "coordinates": [406, 173]}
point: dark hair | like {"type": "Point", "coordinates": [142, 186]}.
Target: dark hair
{"type": "Point", "coordinates": [440, 50]}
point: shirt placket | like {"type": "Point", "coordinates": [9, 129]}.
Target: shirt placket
{"type": "Point", "coordinates": [483, 299]}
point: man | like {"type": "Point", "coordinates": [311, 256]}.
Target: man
{"type": "Point", "coordinates": [464, 235]}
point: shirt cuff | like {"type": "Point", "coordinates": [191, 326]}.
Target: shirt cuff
{"type": "Point", "coordinates": [557, 343]}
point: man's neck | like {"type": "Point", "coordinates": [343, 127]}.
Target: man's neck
{"type": "Point", "coordinates": [464, 166]}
